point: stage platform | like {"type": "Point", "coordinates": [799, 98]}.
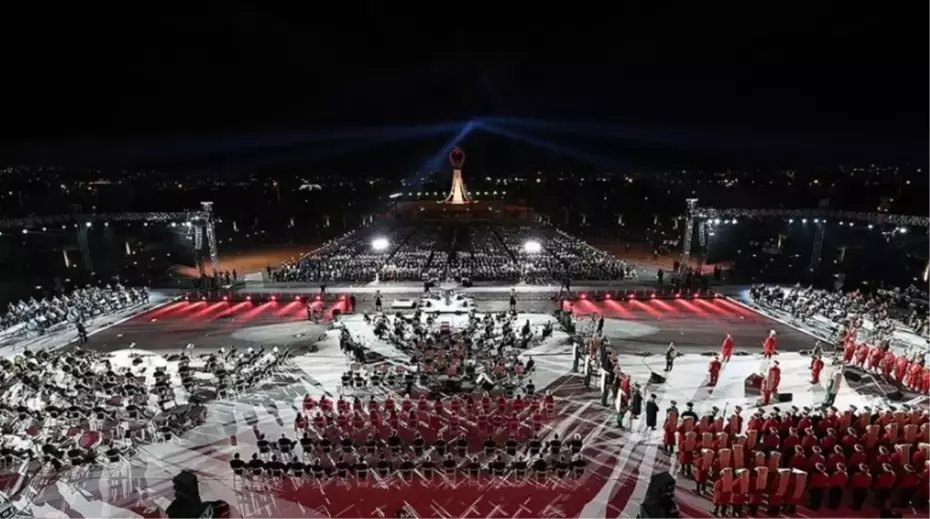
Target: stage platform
{"type": "Point", "coordinates": [621, 462]}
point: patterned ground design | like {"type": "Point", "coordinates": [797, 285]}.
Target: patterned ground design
{"type": "Point", "coordinates": [621, 461]}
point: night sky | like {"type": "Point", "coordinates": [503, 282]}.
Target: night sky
{"type": "Point", "coordinates": [755, 82]}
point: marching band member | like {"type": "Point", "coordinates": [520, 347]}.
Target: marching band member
{"type": "Point", "coordinates": [726, 349]}
{"type": "Point", "coordinates": [816, 368]}
{"type": "Point", "coordinates": [714, 370]}
{"type": "Point", "coordinates": [769, 345]}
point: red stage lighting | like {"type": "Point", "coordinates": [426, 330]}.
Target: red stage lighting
{"type": "Point", "coordinates": [695, 294]}
{"type": "Point", "coordinates": [274, 298]}
{"type": "Point", "coordinates": [652, 295]}
{"type": "Point", "coordinates": [225, 298]}
{"type": "Point", "coordinates": [677, 295]}
{"type": "Point", "coordinates": [342, 297]}
{"type": "Point", "coordinates": [584, 296]}
{"type": "Point", "coordinates": [317, 298]}
{"type": "Point", "coordinates": [718, 296]}
{"type": "Point", "coordinates": [631, 295]}
{"type": "Point", "coordinates": [248, 298]}
{"type": "Point", "coordinates": [187, 298]}
{"type": "Point", "coordinates": [296, 298]}
{"type": "Point", "coordinates": [606, 296]}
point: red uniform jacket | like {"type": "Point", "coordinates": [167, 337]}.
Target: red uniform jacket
{"type": "Point", "coordinates": [838, 479]}
{"type": "Point", "coordinates": [819, 480]}
{"type": "Point", "coordinates": [720, 497]}
{"type": "Point", "coordinates": [726, 349]}
{"type": "Point", "coordinates": [768, 345]}
{"type": "Point", "coordinates": [885, 480]}
{"type": "Point", "coordinates": [861, 480]}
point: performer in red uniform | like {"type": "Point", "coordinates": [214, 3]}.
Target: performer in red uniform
{"type": "Point", "coordinates": [775, 374]}
{"type": "Point", "coordinates": [816, 368]}
{"type": "Point", "coordinates": [726, 349]}
{"type": "Point", "coordinates": [862, 353]}
{"type": "Point", "coordinates": [860, 482]}
{"type": "Point", "coordinates": [818, 485]}
{"type": "Point", "coordinates": [721, 498]}
{"type": "Point", "coordinates": [900, 369]}
{"type": "Point", "coordinates": [888, 363]}
{"type": "Point", "coordinates": [875, 357]}
{"type": "Point", "coordinates": [913, 374]}
{"type": "Point", "coordinates": [769, 345]}
{"type": "Point", "coordinates": [925, 380]}
{"type": "Point", "coordinates": [883, 484]}
{"type": "Point", "coordinates": [714, 369]}
{"type": "Point", "coordinates": [849, 351]}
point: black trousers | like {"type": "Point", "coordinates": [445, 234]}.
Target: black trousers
{"type": "Point", "coordinates": [881, 497]}
{"type": "Point", "coordinates": [905, 495]}
{"type": "Point", "coordinates": [816, 495]}
{"type": "Point", "coordinates": [669, 364]}
{"type": "Point", "coordinates": [834, 497]}
{"type": "Point", "coordinates": [858, 497]}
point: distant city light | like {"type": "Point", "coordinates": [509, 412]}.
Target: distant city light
{"type": "Point", "coordinates": [380, 244]}
{"type": "Point", "coordinates": [532, 247]}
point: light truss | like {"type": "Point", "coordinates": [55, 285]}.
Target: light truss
{"type": "Point", "coordinates": [32, 222]}
{"type": "Point", "coordinates": [710, 213]}
{"type": "Point", "coordinates": [820, 216]}
{"type": "Point", "coordinates": [202, 220]}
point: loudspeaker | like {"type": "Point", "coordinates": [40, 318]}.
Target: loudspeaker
{"type": "Point", "coordinates": [785, 397]}
{"type": "Point", "coordinates": [655, 378]}
{"type": "Point", "coordinates": [186, 487]}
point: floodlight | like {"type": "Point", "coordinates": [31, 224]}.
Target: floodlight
{"type": "Point", "coordinates": [532, 247]}
{"type": "Point", "coordinates": [380, 244]}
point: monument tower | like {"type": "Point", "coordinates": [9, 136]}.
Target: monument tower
{"type": "Point", "coordinates": [457, 195]}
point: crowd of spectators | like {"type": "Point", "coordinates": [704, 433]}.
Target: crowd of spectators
{"type": "Point", "coordinates": [535, 266]}
{"type": "Point", "coordinates": [483, 258]}
{"type": "Point", "coordinates": [411, 261]}
{"type": "Point", "coordinates": [582, 261]}
{"type": "Point", "coordinates": [475, 252]}
{"type": "Point", "coordinates": [36, 317]}
{"type": "Point", "coordinates": [354, 258]}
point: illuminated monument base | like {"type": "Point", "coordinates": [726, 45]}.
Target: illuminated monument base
{"type": "Point", "coordinates": [457, 194]}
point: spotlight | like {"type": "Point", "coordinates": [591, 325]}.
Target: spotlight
{"type": "Point", "coordinates": [631, 295]}
{"type": "Point", "coordinates": [677, 295]}
{"type": "Point", "coordinates": [380, 244]}
{"type": "Point", "coordinates": [297, 298]}
{"type": "Point", "coordinates": [187, 298]}
{"type": "Point", "coordinates": [607, 295]}
{"type": "Point", "coordinates": [248, 298]}
{"type": "Point", "coordinates": [584, 296]}
{"type": "Point", "coordinates": [532, 247]}
{"type": "Point", "coordinates": [225, 298]}
{"type": "Point", "coordinates": [317, 298]}
{"type": "Point", "coordinates": [652, 295]}
{"type": "Point", "coordinates": [342, 297]}
{"type": "Point", "coordinates": [274, 298]}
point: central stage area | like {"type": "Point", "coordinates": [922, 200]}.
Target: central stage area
{"type": "Point", "coordinates": [620, 462]}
